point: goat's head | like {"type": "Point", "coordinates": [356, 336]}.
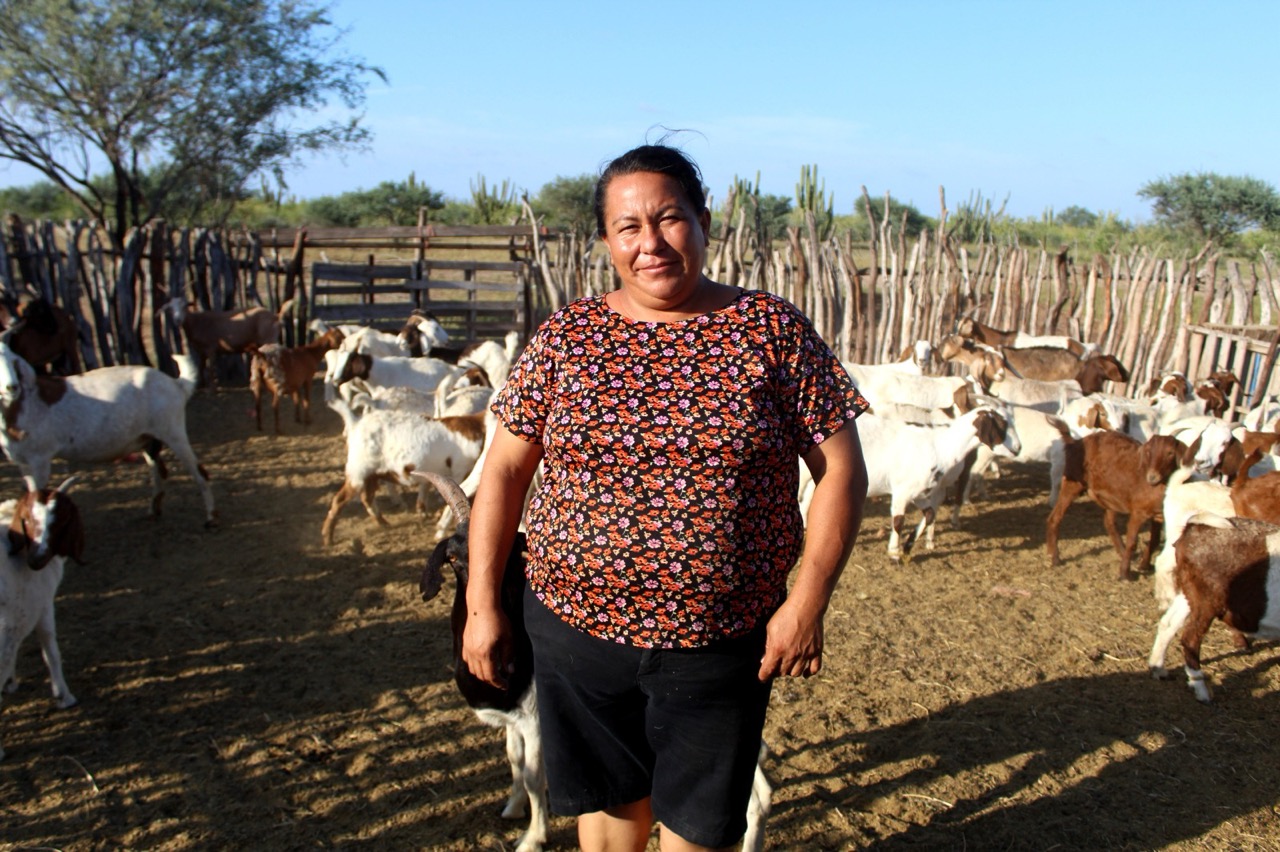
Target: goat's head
{"type": "Point", "coordinates": [966, 327]}
{"type": "Point", "coordinates": [995, 429]}
{"type": "Point", "coordinates": [452, 551]}
{"type": "Point", "coordinates": [421, 334]}
{"type": "Point", "coordinates": [1160, 456]}
{"type": "Point", "coordinates": [16, 375]}
{"type": "Point", "coordinates": [46, 524]}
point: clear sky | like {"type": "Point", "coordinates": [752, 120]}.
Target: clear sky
{"type": "Point", "coordinates": [1050, 104]}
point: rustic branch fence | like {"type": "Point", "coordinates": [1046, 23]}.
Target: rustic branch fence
{"type": "Point", "coordinates": [870, 300]}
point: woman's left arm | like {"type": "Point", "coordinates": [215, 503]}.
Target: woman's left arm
{"type": "Point", "coordinates": [794, 643]}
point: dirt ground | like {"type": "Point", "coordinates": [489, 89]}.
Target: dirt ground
{"type": "Point", "coordinates": [249, 688]}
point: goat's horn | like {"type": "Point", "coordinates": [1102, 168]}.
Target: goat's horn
{"type": "Point", "coordinates": [67, 483]}
{"type": "Point", "coordinates": [450, 491]}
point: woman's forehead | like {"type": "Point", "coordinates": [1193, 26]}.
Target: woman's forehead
{"type": "Point", "coordinates": [643, 191]}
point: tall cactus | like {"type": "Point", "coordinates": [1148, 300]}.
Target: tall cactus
{"type": "Point", "coordinates": [812, 198]}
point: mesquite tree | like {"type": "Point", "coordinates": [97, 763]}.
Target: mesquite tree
{"type": "Point", "coordinates": [172, 100]}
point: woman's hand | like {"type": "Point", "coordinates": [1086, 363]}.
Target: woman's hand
{"type": "Point", "coordinates": [793, 643]}
{"type": "Point", "coordinates": [486, 646]}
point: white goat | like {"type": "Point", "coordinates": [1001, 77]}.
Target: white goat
{"type": "Point", "coordinates": [99, 416]}
{"type": "Point", "coordinates": [423, 374]}
{"type": "Point", "coordinates": [884, 383]}
{"type": "Point", "coordinates": [363, 338]}
{"type": "Point", "coordinates": [1049, 397]}
{"type": "Point", "coordinates": [914, 465]}
{"type": "Point", "coordinates": [395, 444]}
{"type": "Point", "coordinates": [44, 529]}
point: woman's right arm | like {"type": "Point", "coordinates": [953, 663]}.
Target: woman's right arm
{"type": "Point", "coordinates": [508, 469]}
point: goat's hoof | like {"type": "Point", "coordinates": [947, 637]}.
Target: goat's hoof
{"type": "Point", "coordinates": [66, 701]}
{"type": "Point", "coordinates": [1159, 672]}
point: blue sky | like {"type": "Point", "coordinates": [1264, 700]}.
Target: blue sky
{"type": "Point", "coordinates": [1051, 104]}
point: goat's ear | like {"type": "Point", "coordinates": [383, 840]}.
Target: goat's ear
{"type": "Point", "coordinates": [1189, 456]}
{"type": "Point", "coordinates": [71, 540]}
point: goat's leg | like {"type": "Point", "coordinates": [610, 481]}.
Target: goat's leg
{"type": "Point", "coordinates": [1192, 635]}
{"type": "Point", "coordinates": [181, 448]}
{"type": "Point", "coordinates": [517, 806]}
{"type": "Point", "coordinates": [369, 498]}
{"type": "Point", "coordinates": [1157, 526]}
{"type": "Point", "coordinates": [344, 495]}
{"type": "Point", "coordinates": [1067, 493]}
{"type": "Point", "coordinates": [47, 634]}
{"type": "Point", "coordinates": [758, 809]}
{"type": "Point", "coordinates": [533, 778]}
{"type": "Point", "coordinates": [275, 410]}
{"type": "Point", "coordinates": [1170, 623]}
{"type": "Point", "coordinates": [1123, 547]}
{"type": "Point", "coordinates": [158, 474]}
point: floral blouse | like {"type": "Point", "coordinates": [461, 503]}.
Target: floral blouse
{"type": "Point", "coordinates": [667, 514]}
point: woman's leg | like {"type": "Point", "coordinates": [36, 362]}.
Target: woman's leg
{"type": "Point", "coordinates": [622, 829]}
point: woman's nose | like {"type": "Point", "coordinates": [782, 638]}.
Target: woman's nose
{"type": "Point", "coordinates": [651, 239]}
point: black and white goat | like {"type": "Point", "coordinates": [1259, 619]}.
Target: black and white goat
{"type": "Point", "coordinates": [44, 529]}
{"type": "Point", "coordinates": [515, 707]}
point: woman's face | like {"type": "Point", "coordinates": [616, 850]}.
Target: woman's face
{"type": "Point", "coordinates": [657, 240]}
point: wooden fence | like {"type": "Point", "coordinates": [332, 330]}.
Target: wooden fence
{"type": "Point", "coordinates": [871, 301]}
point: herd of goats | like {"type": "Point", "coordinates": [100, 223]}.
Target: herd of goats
{"type": "Point", "coordinates": [944, 418]}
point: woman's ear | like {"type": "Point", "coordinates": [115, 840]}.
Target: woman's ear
{"type": "Point", "coordinates": [704, 219]}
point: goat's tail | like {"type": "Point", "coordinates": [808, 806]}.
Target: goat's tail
{"type": "Point", "coordinates": [188, 372]}
{"type": "Point", "coordinates": [1061, 425]}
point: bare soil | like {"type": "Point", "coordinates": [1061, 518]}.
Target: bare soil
{"type": "Point", "coordinates": [250, 688]}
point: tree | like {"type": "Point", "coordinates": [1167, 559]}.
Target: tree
{"type": "Point", "coordinates": [388, 203]}
{"type": "Point", "coordinates": [569, 203]}
{"type": "Point", "coordinates": [1212, 206]}
{"type": "Point", "coordinates": [1076, 216]}
{"type": "Point", "coordinates": [915, 220]}
{"type": "Point", "coordinates": [184, 98]}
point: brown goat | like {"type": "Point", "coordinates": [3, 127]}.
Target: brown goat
{"type": "Point", "coordinates": [1122, 476]}
{"type": "Point", "coordinates": [211, 332]}
{"type": "Point", "coordinates": [1256, 497]}
{"type": "Point", "coordinates": [42, 334]}
{"type": "Point", "coordinates": [1048, 364]}
{"type": "Point", "coordinates": [288, 372]}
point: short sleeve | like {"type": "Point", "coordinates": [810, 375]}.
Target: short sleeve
{"type": "Point", "coordinates": [523, 402]}
{"type": "Point", "coordinates": [820, 392]}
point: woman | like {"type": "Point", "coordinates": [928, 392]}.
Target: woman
{"type": "Point", "coordinates": [669, 414]}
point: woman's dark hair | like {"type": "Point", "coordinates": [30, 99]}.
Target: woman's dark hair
{"type": "Point", "coordinates": [652, 158]}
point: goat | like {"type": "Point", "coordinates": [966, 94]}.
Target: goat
{"type": "Point", "coordinates": [43, 334]}
{"type": "Point", "coordinates": [423, 374]}
{"type": "Point", "coordinates": [982, 333]}
{"type": "Point", "coordinates": [99, 416]}
{"type": "Point", "coordinates": [1123, 477]}
{"type": "Point", "coordinates": [883, 383]}
{"type": "Point", "coordinates": [367, 341]}
{"type": "Point", "coordinates": [1256, 497]}
{"type": "Point", "coordinates": [45, 529]}
{"type": "Point", "coordinates": [1215, 390]}
{"type": "Point", "coordinates": [515, 706]}
{"type": "Point", "coordinates": [980, 361]}
{"type": "Point", "coordinates": [913, 465]}
{"type": "Point", "coordinates": [1048, 364]}
{"type": "Point", "coordinates": [1184, 497]}
{"type": "Point", "coordinates": [288, 372]}
{"type": "Point", "coordinates": [1226, 569]}
{"type": "Point", "coordinates": [1264, 415]}
{"type": "Point", "coordinates": [211, 332]}
{"type": "Point", "coordinates": [423, 335]}
{"type": "Point", "coordinates": [393, 445]}
{"type": "Point", "coordinates": [1049, 397]}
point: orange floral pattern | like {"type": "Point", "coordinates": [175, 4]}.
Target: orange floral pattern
{"type": "Point", "coordinates": [667, 513]}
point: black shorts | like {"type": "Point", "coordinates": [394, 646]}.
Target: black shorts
{"type": "Point", "coordinates": [620, 724]}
